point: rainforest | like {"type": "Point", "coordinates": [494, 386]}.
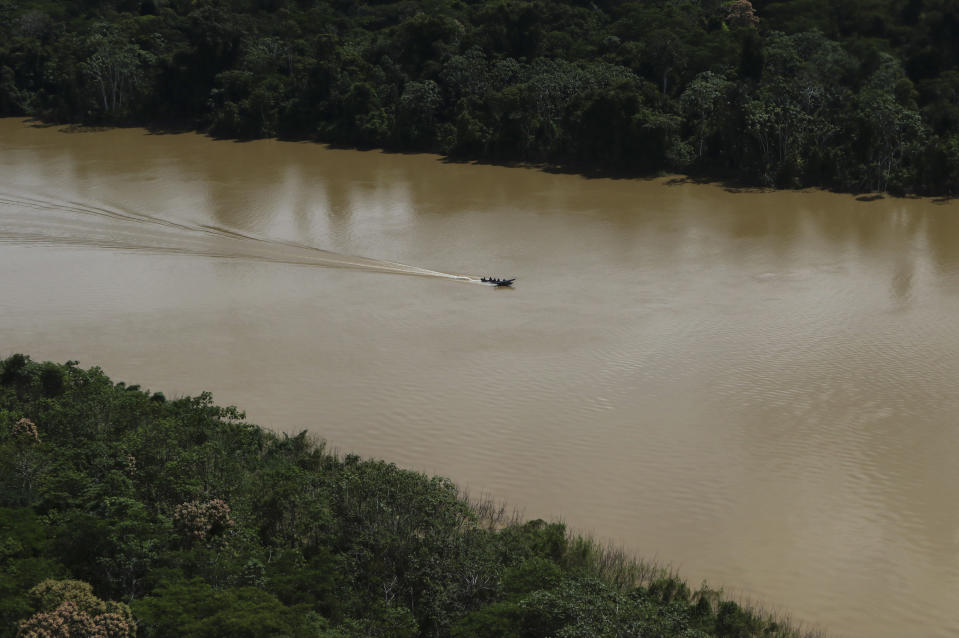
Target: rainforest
{"type": "Point", "coordinates": [859, 95]}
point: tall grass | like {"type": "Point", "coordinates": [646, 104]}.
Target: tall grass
{"type": "Point", "coordinates": [617, 567]}
{"type": "Point", "coordinates": [625, 571]}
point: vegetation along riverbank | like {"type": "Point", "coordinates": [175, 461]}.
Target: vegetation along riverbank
{"type": "Point", "coordinates": [123, 513]}
{"type": "Point", "coordinates": [857, 96]}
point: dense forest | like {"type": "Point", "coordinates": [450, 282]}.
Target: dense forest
{"type": "Point", "coordinates": [124, 513]}
{"type": "Point", "coordinates": [857, 95]}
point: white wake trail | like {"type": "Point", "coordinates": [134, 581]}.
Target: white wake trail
{"type": "Point", "coordinates": [27, 219]}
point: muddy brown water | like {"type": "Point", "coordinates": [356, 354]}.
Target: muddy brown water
{"type": "Point", "coordinates": [757, 388]}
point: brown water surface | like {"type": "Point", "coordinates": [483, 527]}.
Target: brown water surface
{"type": "Point", "coordinates": [758, 388]}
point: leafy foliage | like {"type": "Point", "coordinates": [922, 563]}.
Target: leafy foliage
{"type": "Point", "coordinates": [859, 96]}
{"type": "Point", "coordinates": [69, 608]}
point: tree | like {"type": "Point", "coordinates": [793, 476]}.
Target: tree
{"type": "Point", "coordinates": [703, 103]}
{"type": "Point", "coordinates": [68, 609]}
{"type": "Point", "coordinates": [667, 54]}
{"type": "Point", "coordinates": [892, 133]}
{"type": "Point", "coordinates": [417, 112]}
{"type": "Point", "coordinates": [193, 609]}
{"type": "Point", "coordinates": [117, 71]}
{"type": "Point", "coordinates": [21, 462]}
{"type": "Point", "coordinates": [25, 561]}
{"type": "Point", "coordinates": [741, 13]}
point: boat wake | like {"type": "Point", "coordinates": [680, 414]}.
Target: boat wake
{"type": "Point", "coordinates": [27, 220]}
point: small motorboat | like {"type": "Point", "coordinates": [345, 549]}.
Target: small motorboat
{"type": "Point", "coordinates": [498, 282]}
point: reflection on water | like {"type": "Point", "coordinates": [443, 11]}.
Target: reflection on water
{"type": "Point", "coordinates": [755, 387]}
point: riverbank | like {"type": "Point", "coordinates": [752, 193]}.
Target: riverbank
{"type": "Point", "coordinates": [772, 94]}
{"type": "Point", "coordinates": [205, 525]}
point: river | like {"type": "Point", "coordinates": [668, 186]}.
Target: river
{"type": "Point", "coordinates": [757, 388]}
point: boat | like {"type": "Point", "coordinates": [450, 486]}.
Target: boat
{"type": "Point", "coordinates": [498, 282]}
